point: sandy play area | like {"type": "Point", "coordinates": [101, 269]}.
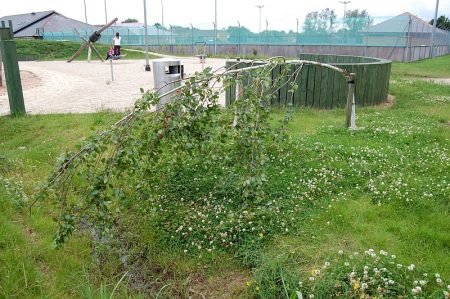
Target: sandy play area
{"type": "Point", "coordinates": [60, 87]}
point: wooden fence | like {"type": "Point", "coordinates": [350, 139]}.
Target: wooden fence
{"type": "Point", "coordinates": [322, 88]}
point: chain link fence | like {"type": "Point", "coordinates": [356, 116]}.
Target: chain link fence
{"type": "Point", "coordinates": [405, 34]}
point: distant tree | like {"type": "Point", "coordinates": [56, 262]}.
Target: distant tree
{"type": "Point", "coordinates": [320, 22]}
{"type": "Point", "coordinates": [356, 20]}
{"type": "Point", "coordinates": [442, 22]}
{"type": "Point", "coordinates": [130, 20]}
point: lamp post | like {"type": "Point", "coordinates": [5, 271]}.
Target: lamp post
{"type": "Point", "coordinates": [192, 37]}
{"type": "Point", "coordinates": [147, 64]}
{"type": "Point", "coordinates": [162, 14]}
{"type": "Point", "coordinates": [85, 12]}
{"type": "Point", "coordinates": [267, 32]}
{"type": "Point", "coordinates": [296, 39]}
{"type": "Point", "coordinates": [260, 8]}
{"type": "Point", "coordinates": [239, 37]}
{"type": "Point", "coordinates": [434, 30]}
{"type": "Point", "coordinates": [106, 13]}
{"type": "Point", "coordinates": [215, 27]}
{"type": "Point", "coordinates": [345, 11]}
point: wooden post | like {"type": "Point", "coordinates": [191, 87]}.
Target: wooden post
{"type": "Point", "coordinates": [1, 69]}
{"type": "Point", "coordinates": [12, 73]}
{"type": "Point", "coordinates": [89, 54]}
{"type": "Point", "coordinates": [1, 60]}
{"type": "Point", "coordinates": [350, 109]}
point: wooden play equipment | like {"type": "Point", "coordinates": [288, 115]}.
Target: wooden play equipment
{"type": "Point", "coordinates": [8, 52]}
{"type": "Point", "coordinates": [90, 42]}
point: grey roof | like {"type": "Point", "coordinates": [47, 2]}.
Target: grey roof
{"type": "Point", "coordinates": [400, 23]}
{"type": "Point", "coordinates": [34, 24]}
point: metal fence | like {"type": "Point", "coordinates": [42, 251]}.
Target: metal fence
{"type": "Point", "coordinates": [404, 31]}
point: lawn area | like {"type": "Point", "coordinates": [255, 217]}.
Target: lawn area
{"type": "Point", "coordinates": [438, 67]}
{"type": "Point", "coordinates": [63, 50]}
{"type": "Point", "coordinates": [337, 199]}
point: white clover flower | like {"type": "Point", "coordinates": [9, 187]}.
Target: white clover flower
{"type": "Point", "coordinates": [382, 252]}
{"type": "Point", "coordinates": [411, 267]}
{"type": "Point", "coordinates": [416, 282]}
{"type": "Point", "coordinates": [422, 282]}
{"type": "Point", "coordinates": [364, 286]}
{"type": "Point", "coordinates": [311, 295]}
{"type": "Point", "coordinates": [391, 282]}
{"type": "Point", "coordinates": [341, 252]}
{"type": "Point", "coordinates": [346, 264]}
{"type": "Point", "coordinates": [366, 268]}
{"type": "Point", "coordinates": [437, 275]}
{"type": "Point", "coordinates": [312, 278]}
{"type": "Point", "coordinates": [393, 256]}
{"type": "Point", "coordinates": [327, 264]}
{"type": "Point", "coordinates": [448, 287]}
{"type": "Point", "coordinates": [438, 280]}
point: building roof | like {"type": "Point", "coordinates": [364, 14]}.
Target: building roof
{"type": "Point", "coordinates": [36, 23]}
{"type": "Point", "coordinates": [402, 23]}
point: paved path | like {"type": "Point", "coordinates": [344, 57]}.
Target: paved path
{"type": "Point", "coordinates": [79, 87]}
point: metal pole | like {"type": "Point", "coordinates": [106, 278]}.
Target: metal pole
{"type": "Point", "coordinates": [345, 11]}
{"type": "Point", "coordinates": [192, 37]}
{"type": "Point", "coordinates": [106, 13]}
{"type": "Point", "coordinates": [239, 37]}
{"type": "Point", "coordinates": [434, 29]}
{"type": "Point", "coordinates": [296, 40]}
{"type": "Point", "coordinates": [85, 11]}
{"type": "Point", "coordinates": [112, 71]}
{"type": "Point", "coordinates": [162, 13]}
{"type": "Point", "coordinates": [267, 32]}
{"type": "Point", "coordinates": [147, 64]}
{"type": "Point", "coordinates": [215, 27]}
{"type": "Point", "coordinates": [260, 8]}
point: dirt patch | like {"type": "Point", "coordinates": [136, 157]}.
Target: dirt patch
{"type": "Point", "coordinates": [228, 285]}
{"type": "Point", "coordinates": [388, 103]}
{"type": "Point", "coordinates": [29, 81]}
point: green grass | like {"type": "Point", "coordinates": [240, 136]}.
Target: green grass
{"type": "Point", "coordinates": [407, 142]}
{"type": "Point", "coordinates": [438, 67]}
{"type": "Point", "coordinates": [63, 50]}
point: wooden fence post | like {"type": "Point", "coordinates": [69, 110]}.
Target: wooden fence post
{"type": "Point", "coordinates": [350, 117]}
{"type": "Point", "coordinates": [12, 73]}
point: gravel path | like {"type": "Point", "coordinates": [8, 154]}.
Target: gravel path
{"type": "Point", "coordinates": [80, 87]}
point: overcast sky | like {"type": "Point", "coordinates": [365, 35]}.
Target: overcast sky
{"type": "Point", "coordinates": [280, 14]}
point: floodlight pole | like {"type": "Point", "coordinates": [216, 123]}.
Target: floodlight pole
{"type": "Point", "coordinates": [85, 12]}
{"type": "Point", "coordinates": [239, 37]}
{"type": "Point", "coordinates": [434, 29]}
{"type": "Point", "coordinates": [296, 40]}
{"type": "Point", "coordinates": [215, 27]}
{"type": "Point", "coordinates": [106, 13]}
{"type": "Point", "coordinates": [147, 64]}
{"type": "Point", "coordinates": [267, 32]}
{"type": "Point", "coordinates": [162, 14]}
{"type": "Point", "coordinates": [345, 11]}
{"type": "Point", "coordinates": [260, 8]}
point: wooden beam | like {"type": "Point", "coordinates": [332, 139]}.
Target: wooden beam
{"type": "Point", "coordinates": [12, 73]}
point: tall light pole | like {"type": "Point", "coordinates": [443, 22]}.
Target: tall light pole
{"type": "Point", "coordinates": [267, 32]}
{"type": "Point", "coordinates": [106, 13]}
{"type": "Point", "coordinates": [345, 11]}
{"type": "Point", "coordinates": [215, 27]}
{"type": "Point", "coordinates": [192, 38]}
{"type": "Point", "coordinates": [85, 12]}
{"type": "Point", "coordinates": [239, 37]}
{"type": "Point", "coordinates": [434, 30]}
{"type": "Point", "coordinates": [296, 39]}
{"type": "Point", "coordinates": [162, 14]}
{"type": "Point", "coordinates": [260, 8]}
{"type": "Point", "coordinates": [147, 64]}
